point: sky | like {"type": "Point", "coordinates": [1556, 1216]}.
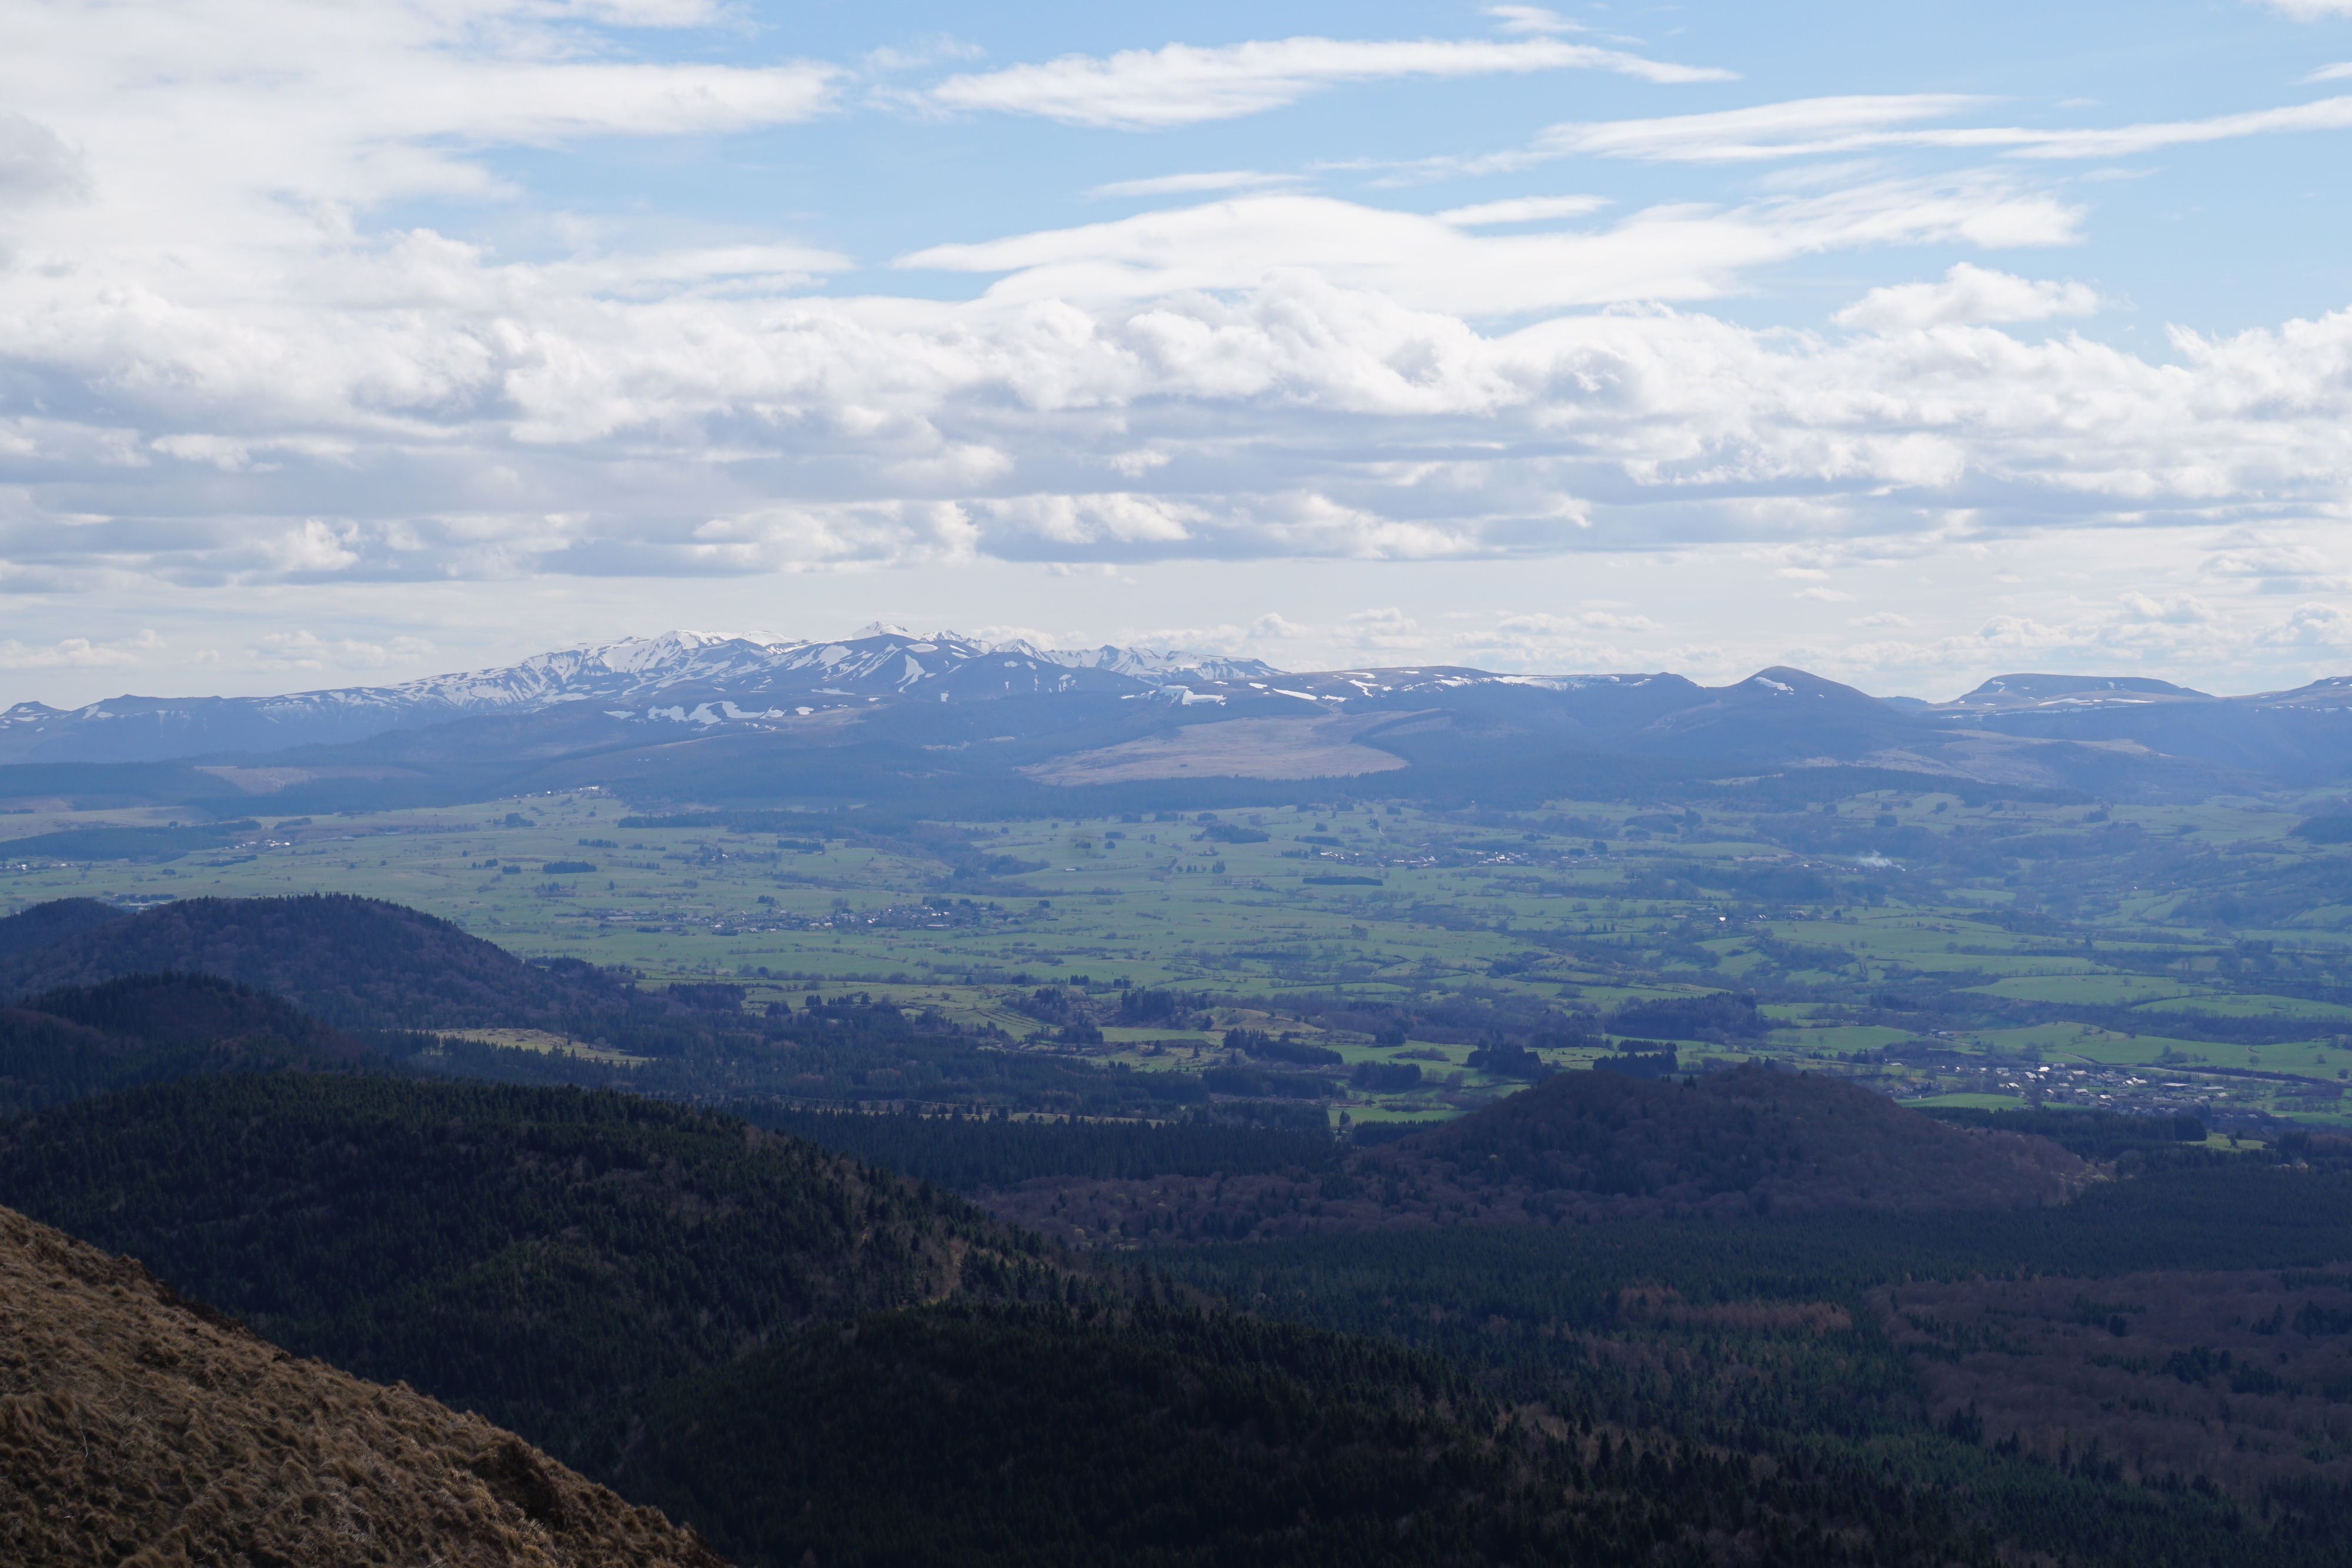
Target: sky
{"type": "Point", "coordinates": [346, 342]}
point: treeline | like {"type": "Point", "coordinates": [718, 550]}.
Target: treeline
{"type": "Point", "coordinates": [851, 1058]}
{"type": "Point", "coordinates": [2093, 1135]}
{"type": "Point", "coordinates": [974, 1153]}
{"type": "Point", "coordinates": [1500, 1296]}
{"type": "Point", "coordinates": [1180, 1439]}
{"type": "Point", "coordinates": [536, 1254]}
{"type": "Point", "coordinates": [1753, 1337]}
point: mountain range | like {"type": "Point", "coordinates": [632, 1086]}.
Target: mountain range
{"type": "Point", "coordinates": [655, 676]}
{"type": "Point", "coordinates": [944, 723]}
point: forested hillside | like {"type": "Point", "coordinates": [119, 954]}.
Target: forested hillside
{"type": "Point", "coordinates": [44, 923]}
{"type": "Point", "coordinates": [1003, 1435]}
{"type": "Point", "coordinates": [540, 1255]}
{"type": "Point", "coordinates": [151, 1028]}
{"type": "Point", "coordinates": [1583, 1146]}
{"type": "Point", "coordinates": [801, 1354]}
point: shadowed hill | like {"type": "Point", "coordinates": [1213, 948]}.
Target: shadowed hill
{"type": "Point", "coordinates": [540, 1255]}
{"type": "Point", "coordinates": [1591, 1145]}
{"type": "Point", "coordinates": [135, 1426]}
{"type": "Point", "coordinates": [44, 923]}
{"type": "Point", "coordinates": [182, 1009]}
{"type": "Point", "coordinates": [357, 963]}
{"type": "Point", "coordinates": [151, 1028]}
{"type": "Point", "coordinates": [1752, 1138]}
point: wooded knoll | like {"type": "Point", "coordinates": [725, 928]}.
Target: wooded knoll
{"type": "Point", "coordinates": [1582, 1146]}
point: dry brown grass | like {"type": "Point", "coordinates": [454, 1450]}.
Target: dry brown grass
{"type": "Point", "coordinates": [136, 1427]}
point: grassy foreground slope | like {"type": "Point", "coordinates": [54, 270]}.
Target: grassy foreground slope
{"type": "Point", "coordinates": [135, 1426]}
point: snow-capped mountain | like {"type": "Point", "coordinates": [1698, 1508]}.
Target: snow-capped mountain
{"type": "Point", "coordinates": [753, 677]}
{"type": "Point", "coordinates": [1149, 663]}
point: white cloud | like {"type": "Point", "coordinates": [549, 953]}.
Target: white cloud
{"type": "Point", "coordinates": [35, 165]}
{"type": "Point", "coordinates": [1187, 185]}
{"type": "Point", "coordinates": [222, 117]}
{"type": "Point", "coordinates": [2275, 567]}
{"type": "Point", "coordinates": [1674, 252]}
{"type": "Point", "coordinates": [2321, 624]}
{"type": "Point", "coordinates": [2310, 10]}
{"type": "Point", "coordinates": [1968, 296]}
{"type": "Point", "coordinates": [2335, 72]}
{"type": "Point", "coordinates": [1522, 210]}
{"type": "Point", "coordinates": [1183, 84]}
{"type": "Point", "coordinates": [2123, 141]}
{"type": "Point", "coordinates": [1815, 125]}
{"type": "Point", "coordinates": [1523, 19]}
{"type": "Point", "coordinates": [245, 388]}
{"type": "Point", "coordinates": [712, 436]}
{"type": "Point", "coordinates": [305, 649]}
{"type": "Point", "coordinates": [1820, 127]}
{"type": "Point", "coordinates": [2183, 610]}
{"type": "Point", "coordinates": [80, 654]}
{"type": "Point", "coordinates": [1882, 618]}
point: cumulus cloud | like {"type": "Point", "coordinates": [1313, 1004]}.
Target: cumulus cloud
{"type": "Point", "coordinates": [305, 649]}
{"type": "Point", "coordinates": [2182, 610]}
{"type": "Point", "coordinates": [2276, 566]}
{"type": "Point", "coordinates": [1183, 84]}
{"type": "Point", "coordinates": [2309, 10]}
{"type": "Point", "coordinates": [1968, 296]}
{"type": "Point", "coordinates": [80, 654]}
{"type": "Point", "coordinates": [1294, 416]}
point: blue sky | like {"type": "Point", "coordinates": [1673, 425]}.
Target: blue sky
{"type": "Point", "coordinates": [346, 342]}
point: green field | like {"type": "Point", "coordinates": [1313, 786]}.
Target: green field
{"type": "Point", "coordinates": [1917, 975]}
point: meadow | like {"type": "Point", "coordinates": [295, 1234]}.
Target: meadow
{"type": "Point", "coordinates": [1967, 949]}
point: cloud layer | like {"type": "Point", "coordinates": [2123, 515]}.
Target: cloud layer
{"type": "Point", "coordinates": [235, 359]}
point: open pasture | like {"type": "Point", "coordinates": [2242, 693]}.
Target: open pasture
{"type": "Point", "coordinates": [1917, 939]}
